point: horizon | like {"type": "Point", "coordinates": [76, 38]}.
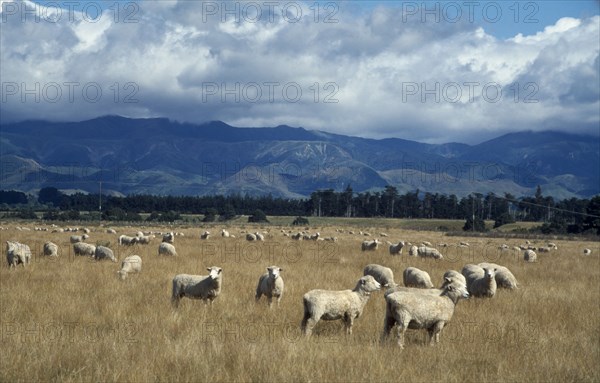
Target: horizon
{"type": "Point", "coordinates": [361, 69]}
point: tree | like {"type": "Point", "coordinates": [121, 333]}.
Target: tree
{"type": "Point", "coordinates": [210, 215]}
{"type": "Point", "coordinates": [479, 224]}
{"type": "Point", "coordinates": [300, 221]}
{"type": "Point", "coordinates": [50, 195]}
{"type": "Point", "coordinates": [227, 213]}
{"type": "Point", "coordinates": [503, 219]}
{"type": "Point", "coordinates": [592, 221]}
{"type": "Point", "coordinates": [258, 216]}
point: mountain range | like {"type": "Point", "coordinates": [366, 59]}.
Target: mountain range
{"type": "Point", "coordinates": [164, 157]}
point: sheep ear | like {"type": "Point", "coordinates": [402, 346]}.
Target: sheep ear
{"type": "Point", "coordinates": [208, 268]}
{"type": "Point", "coordinates": [447, 279]}
{"type": "Point", "coordinates": [220, 269]}
{"type": "Point", "coordinates": [280, 269]}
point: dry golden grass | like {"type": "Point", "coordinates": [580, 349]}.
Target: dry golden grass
{"type": "Point", "coordinates": [71, 319]}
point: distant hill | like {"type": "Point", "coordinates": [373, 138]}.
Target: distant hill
{"type": "Point", "coordinates": [159, 156]}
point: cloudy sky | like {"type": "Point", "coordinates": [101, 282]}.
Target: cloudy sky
{"type": "Point", "coordinates": [428, 71]}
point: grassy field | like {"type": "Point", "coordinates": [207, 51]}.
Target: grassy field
{"type": "Point", "coordinates": [71, 319]}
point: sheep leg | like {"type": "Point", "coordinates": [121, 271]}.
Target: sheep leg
{"type": "Point", "coordinates": [348, 321]}
{"type": "Point", "coordinates": [401, 330]}
{"type": "Point", "coordinates": [388, 324]}
{"type": "Point", "coordinates": [435, 333]}
{"type": "Point", "coordinates": [270, 301]}
{"type": "Point", "coordinates": [307, 325]}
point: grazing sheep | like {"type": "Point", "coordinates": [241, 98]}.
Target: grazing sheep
{"type": "Point", "coordinates": [224, 233]}
{"type": "Point", "coordinates": [530, 256]}
{"type": "Point", "coordinates": [103, 253]}
{"type": "Point", "coordinates": [429, 252]}
{"type": "Point", "coordinates": [315, 236]}
{"type": "Point", "coordinates": [169, 238]}
{"type": "Point", "coordinates": [50, 249]}
{"type": "Point", "coordinates": [333, 305]}
{"type": "Point", "coordinates": [205, 287]}
{"type": "Point", "coordinates": [125, 240]}
{"type": "Point", "coordinates": [383, 275]}
{"type": "Point", "coordinates": [397, 248]}
{"type": "Point", "coordinates": [414, 277]}
{"type": "Point", "coordinates": [166, 249]}
{"type": "Point", "coordinates": [481, 282]}
{"type": "Point", "coordinates": [413, 251]}
{"type": "Point", "coordinates": [144, 239]}
{"type": "Point", "coordinates": [504, 278]}
{"type": "Point", "coordinates": [86, 230]}
{"type": "Point", "coordinates": [587, 251]}
{"type": "Point", "coordinates": [250, 237]}
{"type": "Point", "coordinates": [131, 264]}
{"type": "Point", "coordinates": [383, 235]}
{"type": "Point", "coordinates": [78, 238]}
{"type": "Point", "coordinates": [296, 237]}
{"type": "Point", "coordinates": [503, 247]}
{"type": "Point", "coordinates": [270, 285]}
{"type": "Point", "coordinates": [259, 236]}
{"type": "Point", "coordinates": [416, 310]}
{"type": "Point", "coordinates": [16, 253]}
{"type": "Point", "coordinates": [111, 231]}
{"type": "Point", "coordinates": [454, 275]}
{"type": "Point", "coordinates": [370, 245]}
{"type": "Point", "coordinates": [427, 244]}
{"type": "Point", "coordinates": [205, 235]}
{"type": "Point", "coordinates": [543, 249]}
{"type": "Point", "coordinates": [85, 249]}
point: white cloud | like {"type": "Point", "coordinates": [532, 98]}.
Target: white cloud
{"type": "Point", "coordinates": [168, 61]}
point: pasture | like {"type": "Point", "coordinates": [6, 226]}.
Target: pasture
{"type": "Point", "coordinates": [72, 319]}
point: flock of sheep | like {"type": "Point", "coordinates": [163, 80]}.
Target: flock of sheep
{"type": "Point", "coordinates": [415, 305]}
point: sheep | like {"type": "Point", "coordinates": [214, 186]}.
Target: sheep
{"type": "Point", "coordinates": [454, 275]}
{"type": "Point", "coordinates": [86, 230]}
{"type": "Point", "coordinates": [383, 235]}
{"type": "Point", "coordinates": [125, 240]}
{"type": "Point", "coordinates": [463, 244]}
{"type": "Point", "coordinates": [370, 245]}
{"type": "Point", "coordinates": [144, 239]}
{"type": "Point", "coordinates": [224, 233]}
{"type": "Point", "coordinates": [169, 238]}
{"type": "Point", "coordinates": [103, 253]}
{"type": "Point", "coordinates": [587, 251]}
{"type": "Point", "coordinates": [205, 287]}
{"type": "Point", "coordinates": [530, 256]}
{"type": "Point", "coordinates": [315, 236]}
{"type": "Point", "coordinates": [503, 247]}
{"type": "Point", "coordinates": [85, 249]}
{"type": "Point", "coordinates": [414, 277]}
{"type": "Point", "coordinates": [504, 278]}
{"type": "Point", "coordinates": [131, 264]}
{"type": "Point", "coordinates": [416, 310]}
{"type": "Point", "coordinates": [296, 237]}
{"type": "Point", "coordinates": [481, 282]}
{"type": "Point", "coordinates": [166, 249]}
{"type": "Point", "coordinates": [333, 305]}
{"type": "Point", "coordinates": [426, 243]}
{"type": "Point", "coordinates": [205, 235]}
{"type": "Point", "coordinates": [543, 249]}
{"type": "Point", "coordinates": [111, 231]}
{"type": "Point", "coordinates": [78, 238]}
{"type": "Point", "coordinates": [259, 236]}
{"type": "Point", "coordinates": [429, 252]}
{"type": "Point", "coordinates": [397, 248]}
{"type": "Point", "coordinates": [250, 237]}
{"type": "Point", "coordinates": [270, 285]}
{"type": "Point", "coordinates": [413, 251]}
{"type": "Point", "coordinates": [383, 275]}
{"type": "Point", "coordinates": [16, 253]}
{"type": "Point", "coordinates": [50, 249]}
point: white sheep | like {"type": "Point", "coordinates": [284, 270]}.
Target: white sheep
{"type": "Point", "coordinates": [16, 253]}
{"type": "Point", "coordinates": [296, 237]}
{"type": "Point", "coordinates": [587, 251]}
{"type": "Point", "coordinates": [250, 237]}
{"type": "Point", "coordinates": [426, 243]}
{"type": "Point", "coordinates": [370, 245]}
{"type": "Point", "coordinates": [50, 249]}
{"type": "Point", "coordinates": [259, 236]}
{"type": "Point", "coordinates": [397, 248]}
{"type": "Point", "coordinates": [429, 252]}
{"type": "Point", "coordinates": [383, 275]}
{"type": "Point", "coordinates": [224, 233]}
{"type": "Point", "coordinates": [417, 310]}
{"type": "Point", "coordinates": [169, 238]}
{"type": "Point", "coordinates": [530, 256]}
{"type": "Point", "coordinates": [103, 252]}
{"type": "Point", "coordinates": [205, 287]}
{"type": "Point", "coordinates": [144, 239]}
{"type": "Point", "coordinates": [504, 277]}
{"type": "Point", "coordinates": [111, 231]}
{"type": "Point", "coordinates": [131, 264]}
{"type": "Point", "coordinates": [413, 251]}
{"type": "Point", "coordinates": [125, 240]}
{"type": "Point", "coordinates": [481, 282]}
{"type": "Point", "coordinates": [270, 285]}
{"type": "Point", "coordinates": [85, 249]}
{"type": "Point", "coordinates": [205, 235]}
{"type": "Point", "coordinates": [454, 275]}
{"type": "Point", "coordinates": [78, 238]}
{"type": "Point", "coordinates": [166, 249]}
{"type": "Point", "coordinates": [333, 305]}
{"type": "Point", "coordinates": [414, 277]}
{"type": "Point", "coordinates": [315, 236]}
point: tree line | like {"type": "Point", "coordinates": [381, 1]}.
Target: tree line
{"type": "Point", "coordinates": [570, 215]}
